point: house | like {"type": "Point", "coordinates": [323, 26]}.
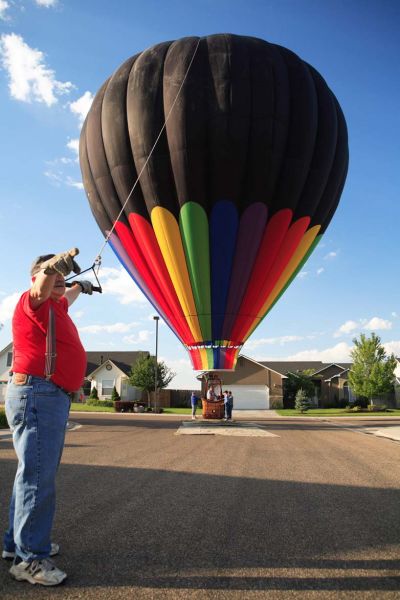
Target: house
{"type": "Point", "coordinates": [5, 364]}
{"type": "Point", "coordinates": [104, 370]}
{"type": "Point", "coordinates": [108, 369]}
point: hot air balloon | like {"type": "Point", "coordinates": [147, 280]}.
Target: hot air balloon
{"type": "Point", "coordinates": [214, 165]}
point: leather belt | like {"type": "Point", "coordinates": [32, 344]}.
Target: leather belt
{"type": "Point", "coordinates": [24, 379]}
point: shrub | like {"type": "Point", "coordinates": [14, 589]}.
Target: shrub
{"type": "Point", "coordinates": [302, 402]}
{"type": "Point", "coordinates": [94, 394]}
{"type": "Point", "coordinates": [115, 397]}
{"type": "Point", "coordinates": [96, 402]}
{"type": "Point", "coordinates": [3, 419]}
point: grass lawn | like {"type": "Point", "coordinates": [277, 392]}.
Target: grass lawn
{"type": "Point", "coordinates": [334, 412]}
{"type": "Point", "coordinates": [87, 408]}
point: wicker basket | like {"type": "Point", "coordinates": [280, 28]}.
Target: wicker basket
{"type": "Point", "coordinates": [213, 409]}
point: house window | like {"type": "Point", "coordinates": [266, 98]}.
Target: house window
{"type": "Point", "coordinates": [9, 359]}
{"type": "Point", "coordinates": [107, 387]}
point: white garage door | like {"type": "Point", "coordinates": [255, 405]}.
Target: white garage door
{"type": "Point", "coordinates": [250, 397]}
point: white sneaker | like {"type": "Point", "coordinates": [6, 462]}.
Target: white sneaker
{"type": "Point", "coordinates": [55, 549]}
{"type": "Point", "coordinates": [43, 572]}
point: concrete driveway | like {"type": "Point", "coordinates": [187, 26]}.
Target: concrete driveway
{"type": "Point", "coordinates": [309, 512]}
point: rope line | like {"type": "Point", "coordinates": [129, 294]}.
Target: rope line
{"type": "Point", "coordinates": [151, 152]}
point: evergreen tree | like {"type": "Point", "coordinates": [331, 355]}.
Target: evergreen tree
{"type": "Point", "coordinates": [372, 372]}
{"type": "Point", "coordinates": [142, 375]}
{"type": "Point", "coordinates": [115, 397]}
{"type": "Point", "coordinates": [94, 395]}
{"type": "Point", "coordinates": [302, 402]}
{"type": "Point", "coordinates": [296, 381]}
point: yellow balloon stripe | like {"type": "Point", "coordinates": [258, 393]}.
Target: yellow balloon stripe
{"type": "Point", "coordinates": [169, 239]}
{"type": "Point", "coordinates": [204, 358]}
{"type": "Point", "coordinates": [292, 265]}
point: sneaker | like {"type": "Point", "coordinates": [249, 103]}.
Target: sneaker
{"type": "Point", "coordinates": [55, 549]}
{"type": "Point", "coordinates": [43, 572]}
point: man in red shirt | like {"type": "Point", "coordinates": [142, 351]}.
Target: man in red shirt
{"type": "Point", "coordinates": [49, 362]}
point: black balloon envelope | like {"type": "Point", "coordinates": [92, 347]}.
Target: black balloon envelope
{"type": "Point", "coordinates": [236, 193]}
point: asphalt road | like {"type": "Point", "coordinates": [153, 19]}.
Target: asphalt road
{"type": "Point", "coordinates": [143, 513]}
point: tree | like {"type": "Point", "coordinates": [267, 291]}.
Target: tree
{"type": "Point", "coordinates": [142, 375]}
{"type": "Point", "coordinates": [372, 372]}
{"type": "Point", "coordinates": [296, 381]}
{"type": "Point", "coordinates": [115, 396]}
{"type": "Point", "coordinates": [302, 402]}
{"type": "Point", "coordinates": [94, 394]}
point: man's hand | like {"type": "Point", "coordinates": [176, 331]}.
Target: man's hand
{"type": "Point", "coordinates": [86, 286]}
{"type": "Point", "coordinates": [62, 263]}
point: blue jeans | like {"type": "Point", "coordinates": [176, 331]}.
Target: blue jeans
{"type": "Point", "coordinates": [37, 414]}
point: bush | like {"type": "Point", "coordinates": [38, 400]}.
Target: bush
{"type": "Point", "coordinates": [3, 419]}
{"type": "Point", "coordinates": [375, 408]}
{"type": "Point", "coordinates": [96, 402]}
{"type": "Point", "coordinates": [115, 397]}
{"type": "Point", "coordinates": [302, 402]}
{"type": "Point", "coordinates": [94, 394]}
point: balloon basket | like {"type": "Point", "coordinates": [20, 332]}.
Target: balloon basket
{"type": "Point", "coordinates": [213, 409]}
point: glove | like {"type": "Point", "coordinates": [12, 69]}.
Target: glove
{"type": "Point", "coordinates": [62, 263]}
{"type": "Point", "coordinates": [86, 286]}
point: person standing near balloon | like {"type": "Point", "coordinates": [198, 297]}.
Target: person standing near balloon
{"type": "Point", "coordinates": [49, 363]}
{"type": "Point", "coordinates": [230, 405]}
{"type": "Point", "coordinates": [193, 401]}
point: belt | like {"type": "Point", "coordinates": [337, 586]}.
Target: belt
{"type": "Point", "coordinates": [24, 379]}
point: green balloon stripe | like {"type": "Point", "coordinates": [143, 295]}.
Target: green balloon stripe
{"type": "Point", "coordinates": [193, 224]}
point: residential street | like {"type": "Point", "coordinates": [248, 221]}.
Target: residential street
{"type": "Point", "coordinates": [312, 511]}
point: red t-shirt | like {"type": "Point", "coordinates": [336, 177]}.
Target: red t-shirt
{"type": "Point", "coordinates": [29, 336]}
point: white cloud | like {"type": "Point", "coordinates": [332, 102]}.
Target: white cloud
{"type": "Point", "coordinates": [81, 106]}
{"type": "Point", "coordinates": [185, 378]}
{"type": "Point", "coordinates": [377, 323]}
{"type": "Point", "coordinates": [7, 306]}
{"type": "Point", "coordinates": [113, 328]}
{"type": "Point", "coordinates": [330, 255]}
{"type": "Point", "coordinates": [58, 178]}
{"type": "Point", "coordinates": [320, 270]}
{"type": "Point", "coordinates": [347, 328]}
{"type": "Point", "coordinates": [338, 353]}
{"type": "Point", "coordinates": [392, 347]}
{"type": "Point", "coordinates": [118, 283]}
{"type": "Point", "coordinates": [302, 274]}
{"type": "Point", "coordinates": [4, 6]}
{"type": "Point", "coordinates": [282, 340]}
{"type": "Point", "coordinates": [78, 314]}
{"type": "Point", "coordinates": [46, 3]}
{"type": "Point", "coordinates": [30, 79]}
{"type": "Point", "coordinates": [395, 315]}
{"type": "Point", "coordinates": [137, 338]}
{"type": "Point", "coordinates": [73, 145]}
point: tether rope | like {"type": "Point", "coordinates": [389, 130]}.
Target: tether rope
{"type": "Point", "coordinates": [98, 257]}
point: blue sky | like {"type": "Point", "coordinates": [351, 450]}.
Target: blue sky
{"type": "Point", "coordinates": [54, 55]}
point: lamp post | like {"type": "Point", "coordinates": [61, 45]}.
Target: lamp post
{"type": "Point", "coordinates": [156, 319]}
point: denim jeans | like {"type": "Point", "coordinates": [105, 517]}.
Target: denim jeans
{"type": "Point", "coordinates": [37, 414]}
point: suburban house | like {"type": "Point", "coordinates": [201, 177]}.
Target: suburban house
{"type": "Point", "coordinates": [108, 369]}
{"type": "Point", "coordinates": [104, 371]}
{"type": "Point", "coordinates": [261, 384]}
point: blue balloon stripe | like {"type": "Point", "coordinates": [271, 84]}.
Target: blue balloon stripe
{"type": "Point", "coordinates": [223, 231]}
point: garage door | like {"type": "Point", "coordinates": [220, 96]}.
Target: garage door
{"type": "Point", "coordinates": [250, 397]}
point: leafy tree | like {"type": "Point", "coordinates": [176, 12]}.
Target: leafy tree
{"type": "Point", "coordinates": [94, 394]}
{"type": "Point", "coordinates": [142, 375]}
{"type": "Point", "coordinates": [302, 402]}
{"type": "Point", "coordinates": [115, 396]}
{"type": "Point", "coordinates": [372, 372]}
{"type": "Point", "coordinates": [295, 382]}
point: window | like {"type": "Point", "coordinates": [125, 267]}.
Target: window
{"type": "Point", "coordinates": [107, 387]}
{"type": "Point", "coordinates": [9, 359]}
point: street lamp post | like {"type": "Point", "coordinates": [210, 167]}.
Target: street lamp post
{"type": "Point", "coordinates": [156, 365]}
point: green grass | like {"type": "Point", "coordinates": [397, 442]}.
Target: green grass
{"type": "Point", "coordinates": [333, 412]}
{"type": "Point", "coordinates": [87, 408]}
